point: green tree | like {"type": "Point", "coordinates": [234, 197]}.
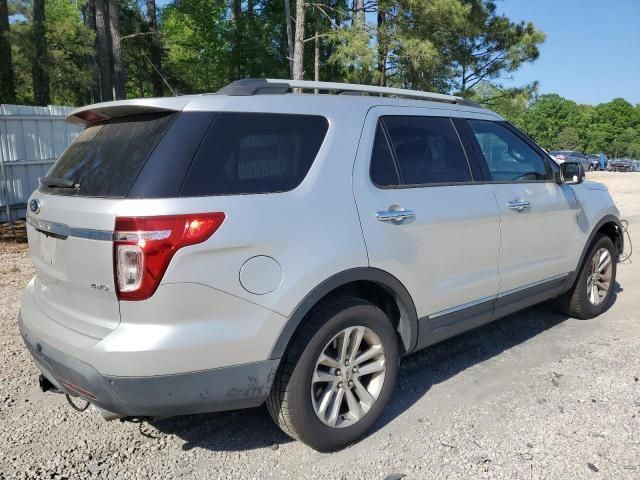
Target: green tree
{"type": "Point", "coordinates": [608, 127]}
{"type": "Point", "coordinates": [138, 42]}
{"type": "Point", "coordinates": [40, 62]}
{"type": "Point", "coordinates": [353, 54]}
{"type": "Point", "coordinates": [70, 47]}
{"type": "Point", "coordinates": [511, 103]}
{"type": "Point", "coordinates": [441, 45]}
{"type": "Point", "coordinates": [489, 46]}
{"type": "Point", "coordinates": [625, 143]}
{"type": "Point", "coordinates": [421, 38]}
{"type": "Point", "coordinates": [568, 139]}
{"type": "Point", "coordinates": [194, 35]}
{"type": "Point", "coordinates": [155, 48]}
{"type": "Point", "coordinates": [117, 62]}
{"type": "Point", "coordinates": [136, 48]}
{"type": "Point", "coordinates": [198, 37]}
{"type": "Point", "coordinates": [7, 82]}
{"type": "Point", "coordinates": [547, 116]}
{"type": "Point", "coordinates": [103, 51]}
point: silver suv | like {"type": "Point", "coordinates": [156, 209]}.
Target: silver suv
{"type": "Point", "coordinates": [213, 252]}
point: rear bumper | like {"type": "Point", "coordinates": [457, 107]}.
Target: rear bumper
{"type": "Point", "coordinates": [183, 328]}
{"type": "Point", "coordinates": [225, 388]}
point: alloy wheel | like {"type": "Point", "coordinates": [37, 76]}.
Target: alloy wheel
{"type": "Point", "coordinates": [348, 377]}
{"type": "Point", "coordinates": [599, 279]}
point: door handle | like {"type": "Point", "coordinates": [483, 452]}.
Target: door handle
{"type": "Point", "coordinates": [518, 205]}
{"type": "Point", "coordinates": [394, 216]}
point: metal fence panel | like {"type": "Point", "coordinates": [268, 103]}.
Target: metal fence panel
{"type": "Point", "coordinates": [31, 138]}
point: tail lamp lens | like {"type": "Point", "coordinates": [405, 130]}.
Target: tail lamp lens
{"type": "Point", "coordinates": [130, 263]}
{"type": "Point", "coordinates": [144, 246]}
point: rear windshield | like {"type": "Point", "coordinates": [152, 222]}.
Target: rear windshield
{"type": "Point", "coordinates": [105, 159]}
{"type": "Point", "coordinates": [191, 154]}
{"type": "Point", "coordinates": [244, 153]}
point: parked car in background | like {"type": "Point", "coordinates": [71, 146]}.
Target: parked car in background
{"type": "Point", "coordinates": [597, 161]}
{"type": "Point", "coordinates": [620, 165]}
{"type": "Point", "coordinates": [635, 165]}
{"type": "Point", "coordinates": [561, 156]}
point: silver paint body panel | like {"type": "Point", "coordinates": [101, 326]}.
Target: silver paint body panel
{"type": "Point", "coordinates": [462, 247]}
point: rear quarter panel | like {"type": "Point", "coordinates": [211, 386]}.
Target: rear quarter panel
{"type": "Point", "coordinates": [312, 231]}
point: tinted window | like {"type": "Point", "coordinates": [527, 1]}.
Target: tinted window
{"type": "Point", "coordinates": [163, 173]}
{"type": "Point", "coordinates": [255, 153]}
{"type": "Point", "coordinates": [427, 151]}
{"type": "Point", "coordinates": [384, 171]}
{"type": "Point", "coordinates": [508, 157]}
{"type": "Point", "coordinates": [106, 159]}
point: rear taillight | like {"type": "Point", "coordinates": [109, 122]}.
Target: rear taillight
{"type": "Point", "coordinates": [144, 246]}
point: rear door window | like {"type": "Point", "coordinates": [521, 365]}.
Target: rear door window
{"type": "Point", "coordinates": [384, 168]}
{"type": "Point", "coordinates": [245, 153]}
{"type": "Point", "coordinates": [106, 159]}
{"type": "Point", "coordinates": [426, 151]}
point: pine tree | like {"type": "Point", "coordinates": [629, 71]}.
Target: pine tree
{"type": "Point", "coordinates": [40, 67]}
{"type": "Point", "coordinates": [7, 76]}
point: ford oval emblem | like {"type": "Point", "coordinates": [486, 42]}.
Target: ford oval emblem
{"type": "Point", "coordinates": [34, 206]}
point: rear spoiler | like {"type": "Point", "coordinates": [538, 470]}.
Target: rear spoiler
{"type": "Point", "coordinates": [121, 108]}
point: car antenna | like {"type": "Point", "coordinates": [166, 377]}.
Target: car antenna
{"type": "Point", "coordinates": [175, 94]}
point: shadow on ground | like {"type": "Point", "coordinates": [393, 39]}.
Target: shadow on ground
{"type": "Point", "coordinates": [253, 428]}
{"type": "Point", "coordinates": [234, 431]}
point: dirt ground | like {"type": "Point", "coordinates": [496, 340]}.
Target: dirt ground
{"type": "Point", "coordinates": [534, 395]}
{"type": "Point", "coordinates": [13, 232]}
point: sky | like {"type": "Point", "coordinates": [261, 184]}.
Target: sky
{"type": "Point", "coordinates": [592, 51]}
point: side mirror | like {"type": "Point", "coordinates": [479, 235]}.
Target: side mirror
{"type": "Point", "coordinates": [571, 173]}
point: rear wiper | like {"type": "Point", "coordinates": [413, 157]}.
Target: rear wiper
{"type": "Point", "coordinates": [58, 182]}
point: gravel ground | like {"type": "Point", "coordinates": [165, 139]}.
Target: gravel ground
{"type": "Point", "coordinates": [534, 395]}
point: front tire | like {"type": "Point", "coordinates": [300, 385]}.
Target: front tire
{"type": "Point", "coordinates": [337, 375]}
{"type": "Point", "coordinates": [591, 294]}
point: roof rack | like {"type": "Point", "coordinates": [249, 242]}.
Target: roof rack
{"type": "Point", "coordinates": [271, 86]}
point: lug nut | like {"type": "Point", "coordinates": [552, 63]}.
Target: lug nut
{"type": "Point", "coordinates": [338, 372]}
{"type": "Point", "coordinates": [339, 384]}
{"type": "Point", "coordinates": [346, 362]}
{"type": "Point", "coordinates": [355, 369]}
{"type": "Point", "coordinates": [350, 383]}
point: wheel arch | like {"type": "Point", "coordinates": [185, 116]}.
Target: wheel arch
{"type": "Point", "coordinates": [608, 225]}
{"type": "Point", "coordinates": [375, 285]}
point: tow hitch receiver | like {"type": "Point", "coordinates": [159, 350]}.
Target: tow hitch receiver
{"type": "Point", "coordinates": [46, 385]}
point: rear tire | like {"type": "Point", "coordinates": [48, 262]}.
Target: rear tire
{"type": "Point", "coordinates": [588, 297]}
{"type": "Point", "coordinates": [302, 402]}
